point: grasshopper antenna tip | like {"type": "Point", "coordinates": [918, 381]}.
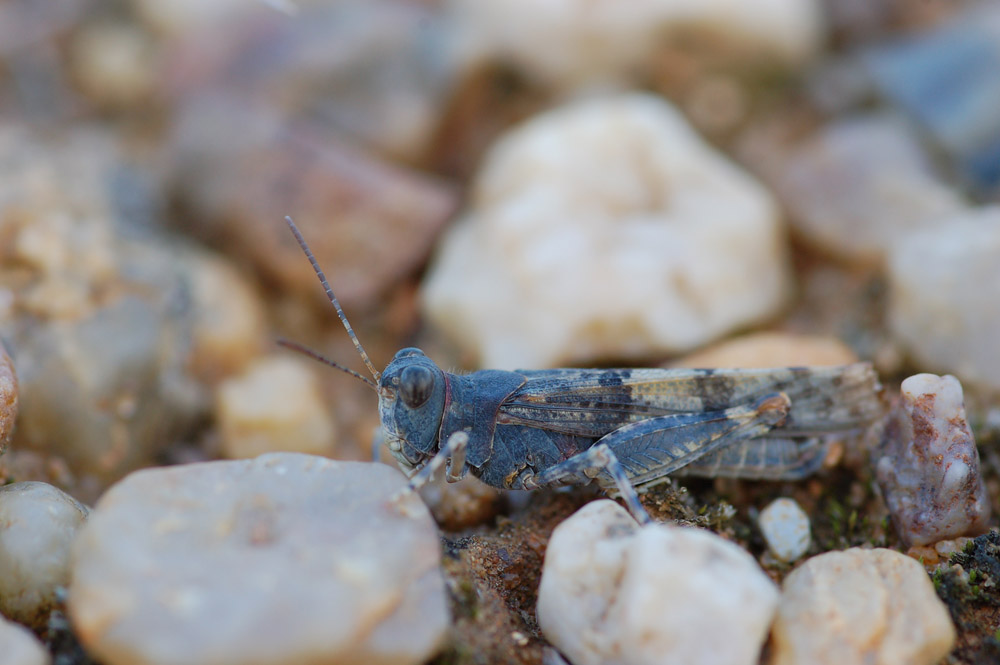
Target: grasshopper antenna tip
{"type": "Point", "coordinates": [304, 350]}
{"type": "Point", "coordinates": [333, 300]}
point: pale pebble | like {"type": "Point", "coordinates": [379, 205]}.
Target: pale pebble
{"type": "Point", "coordinates": [606, 228]}
{"type": "Point", "coordinates": [274, 406]}
{"type": "Point", "coordinates": [287, 558]}
{"type": "Point", "coordinates": [771, 349]}
{"type": "Point", "coordinates": [785, 527]}
{"type": "Point", "coordinates": [38, 524]}
{"type": "Point", "coordinates": [615, 593]}
{"type": "Point", "coordinates": [860, 607]}
{"type": "Point", "coordinates": [19, 646]}
{"type": "Point", "coordinates": [8, 397]}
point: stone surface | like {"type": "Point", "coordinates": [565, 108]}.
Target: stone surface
{"type": "Point", "coordinates": [856, 187]}
{"type": "Point", "coordinates": [771, 349]}
{"type": "Point", "coordinates": [287, 558]}
{"type": "Point", "coordinates": [38, 524]}
{"type": "Point", "coordinates": [576, 43]}
{"type": "Point", "coordinates": [369, 222]}
{"type": "Point", "coordinates": [614, 593]}
{"type": "Point", "coordinates": [785, 527]}
{"type": "Point", "coordinates": [943, 289]}
{"type": "Point", "coordinates": [275, 406]}
{"type": "Point", "coordinates": [860, 607]}
{"type": "Point", "coordinates": [927, 464]}
{"type": "Point", "coordinates": [8, 397]}
{"type": "Point", "coordinates": [605, 228]}
{"type": "Point", "coordinates": [19, 646]}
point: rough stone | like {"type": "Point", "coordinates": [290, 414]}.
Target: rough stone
{"type": "Point", "coordinates": [927, 464]}
{"type": "Point", "coordinates": [860, 607]}
{"type": "Point", "coordinates": [943, 289]}
{"type": "Point", "coordinates": [38, 524]}
{"type": "Point", "coordinates": [771, 349]}
{"type": "Point", "coordinates": [576, 43]}
{"type": "Point", "coordinates": [19, 646]}
{"type": "Point", "coordinates": [287, 558]}
{"type": "Point", "coordinates": [856, 187]}
{"type": "Point", "coordinates": [8, 397]}
{"type": "Point", "coordinates": [275, 406]}
{"type": "Point", "coordinates": [785, 527]}
{"type": "Point", "coordinates": [605, 228]}
{"type": "Point", "coordinates": [614, 593]}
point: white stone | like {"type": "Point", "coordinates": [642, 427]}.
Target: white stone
{"type": "Point", "coordinates": [860, 607]}
{"type": "Point", "coordinates": [38, 524]}
{"type": "Point", "coordinates": [287, 558]}
{"type": "Point", "coordinates": [615, 593]}
{"type": "Point", "coordinates": [568, 43]}
{"type": "Point", "coordinates": [606, 228]}
{"type": "Point", "coordinates": [944, 286]}
{"type": "Point", "coordinates": [19, 646]}
{"type": "Point", "coordinates": [275, 406]}
{"type": "Point", "coordinates": [785, 527]}
{"type": "Point", "coordinates": [927, 464]}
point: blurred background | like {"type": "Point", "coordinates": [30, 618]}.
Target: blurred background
{"type": "Point", "coordinates": [520, 183]}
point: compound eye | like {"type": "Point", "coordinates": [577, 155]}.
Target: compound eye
{"type": "Point", "coordinates": [415, 384]}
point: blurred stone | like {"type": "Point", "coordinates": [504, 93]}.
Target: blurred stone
{"type": "Point", "coordinates": [937, 553]}
{"type": "Point", "coordinates": [368, 222]}
{"type": "Point", "coordinates": [284, 559]}
{"type": "Point", "coordinates": [857, 187]}
{"type": "Point", "coordinates": [275, 406]}
{"type": "Point", "coordinates": [38, 524]}
{"type": "Point", "coordinates": [462, 505]}
{"type": "Point", "coordinates": [577, 44]}
{"type": "Point", "coordinates": [113, 64]}
{"type": "Point", "coordinates": [944, 285]}
{"type": "Point", "coordinates": [229, 322]}
{"type": "Point", "coordinates": [8, 397]}
{"type": "Point", "coordinates": [771, 349]}
{"type": "Point", "coordinates": [19, 646]}
{"type": "Point", "coordinates": [98, 314]}
{"type": "Point", "coordinates": [612, 592]}
{"type": "Point", "coordinates": [860, 607]}
{"type": "Point", "coordinates": [946, 80]}
{"type": "Point", "coordinates": [605, 228]}
{"type": "Point", "coordinates": [785, 527]}
{"type": "Point", "coordinates": [377, 72]}
{"type": "Point", "coordinates": [927, 464]}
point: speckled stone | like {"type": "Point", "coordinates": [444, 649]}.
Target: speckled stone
{"type": "Point", "coordinates": [38, 524]}
{"type": "Point", "coordinates": [785, 527]}
{"type": "Point", "coordinates": [927, 464]}
{"type": "Point", "coordinates": [287, 558]}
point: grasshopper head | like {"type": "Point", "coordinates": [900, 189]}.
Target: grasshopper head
{"type": "Point", "coordinates": [411, 396]}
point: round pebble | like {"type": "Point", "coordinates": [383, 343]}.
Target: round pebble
{"type": "Point", "coordinates": [19, 646]}
{"type": "Point", "coordinates": [38, 524]}
{"type": "Point", "coordinates": [287, 558]}
{"type": "Point", "coordinates": [612, 592]}
{"type": "Point", "coordinates": [860, 607]}
{"type": "Point", "coordinates": [785, 527]}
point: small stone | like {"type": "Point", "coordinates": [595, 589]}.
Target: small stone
{"type": "Point", "coordinates": [113, 63]}
{"type": "Point", "coordinates": [927, 464]}
{"type": "Point", "coordinates": [287, 558]}
{"type": "Point", "coordinates": [8, 397]}
{"type": "Point", "coordinates": [860, 607]}
{"type": "Point", "coordinates": [575, 43]}
{"type": "Point", "coordinates": [857, 187]}
{"type": "Point", "coordinates": [943, 289]}
{"type": "Point", "coordinates": [612, 592]}
{"type": "Point", "coordinates": [606, 228]}
{"type": "Point", "coordinates": [275, 406]}
{"type": "Point", "coordinates": [19, 646]}
{"type": "Point", "coordinates": [785, 527]}
{"type": "Point", "coordinates": [38, 524]}
{"type": "Point", "coordinates": [772, 349]}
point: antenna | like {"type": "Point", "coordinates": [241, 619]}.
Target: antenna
{"type": "Point", "coordinates": [336, 304]}
{"type": "Point", "coordinates": [295, 346]}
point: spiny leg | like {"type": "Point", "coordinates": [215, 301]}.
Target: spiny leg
{"type": "Point", "coordinates": [454, 450]}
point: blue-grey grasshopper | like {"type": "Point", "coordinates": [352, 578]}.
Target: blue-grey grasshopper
{"type": "Point", "coordinates": [624, 428]}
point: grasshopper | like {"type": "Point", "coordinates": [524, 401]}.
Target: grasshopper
{"type": "Point", "coordinates": [623, 428]}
